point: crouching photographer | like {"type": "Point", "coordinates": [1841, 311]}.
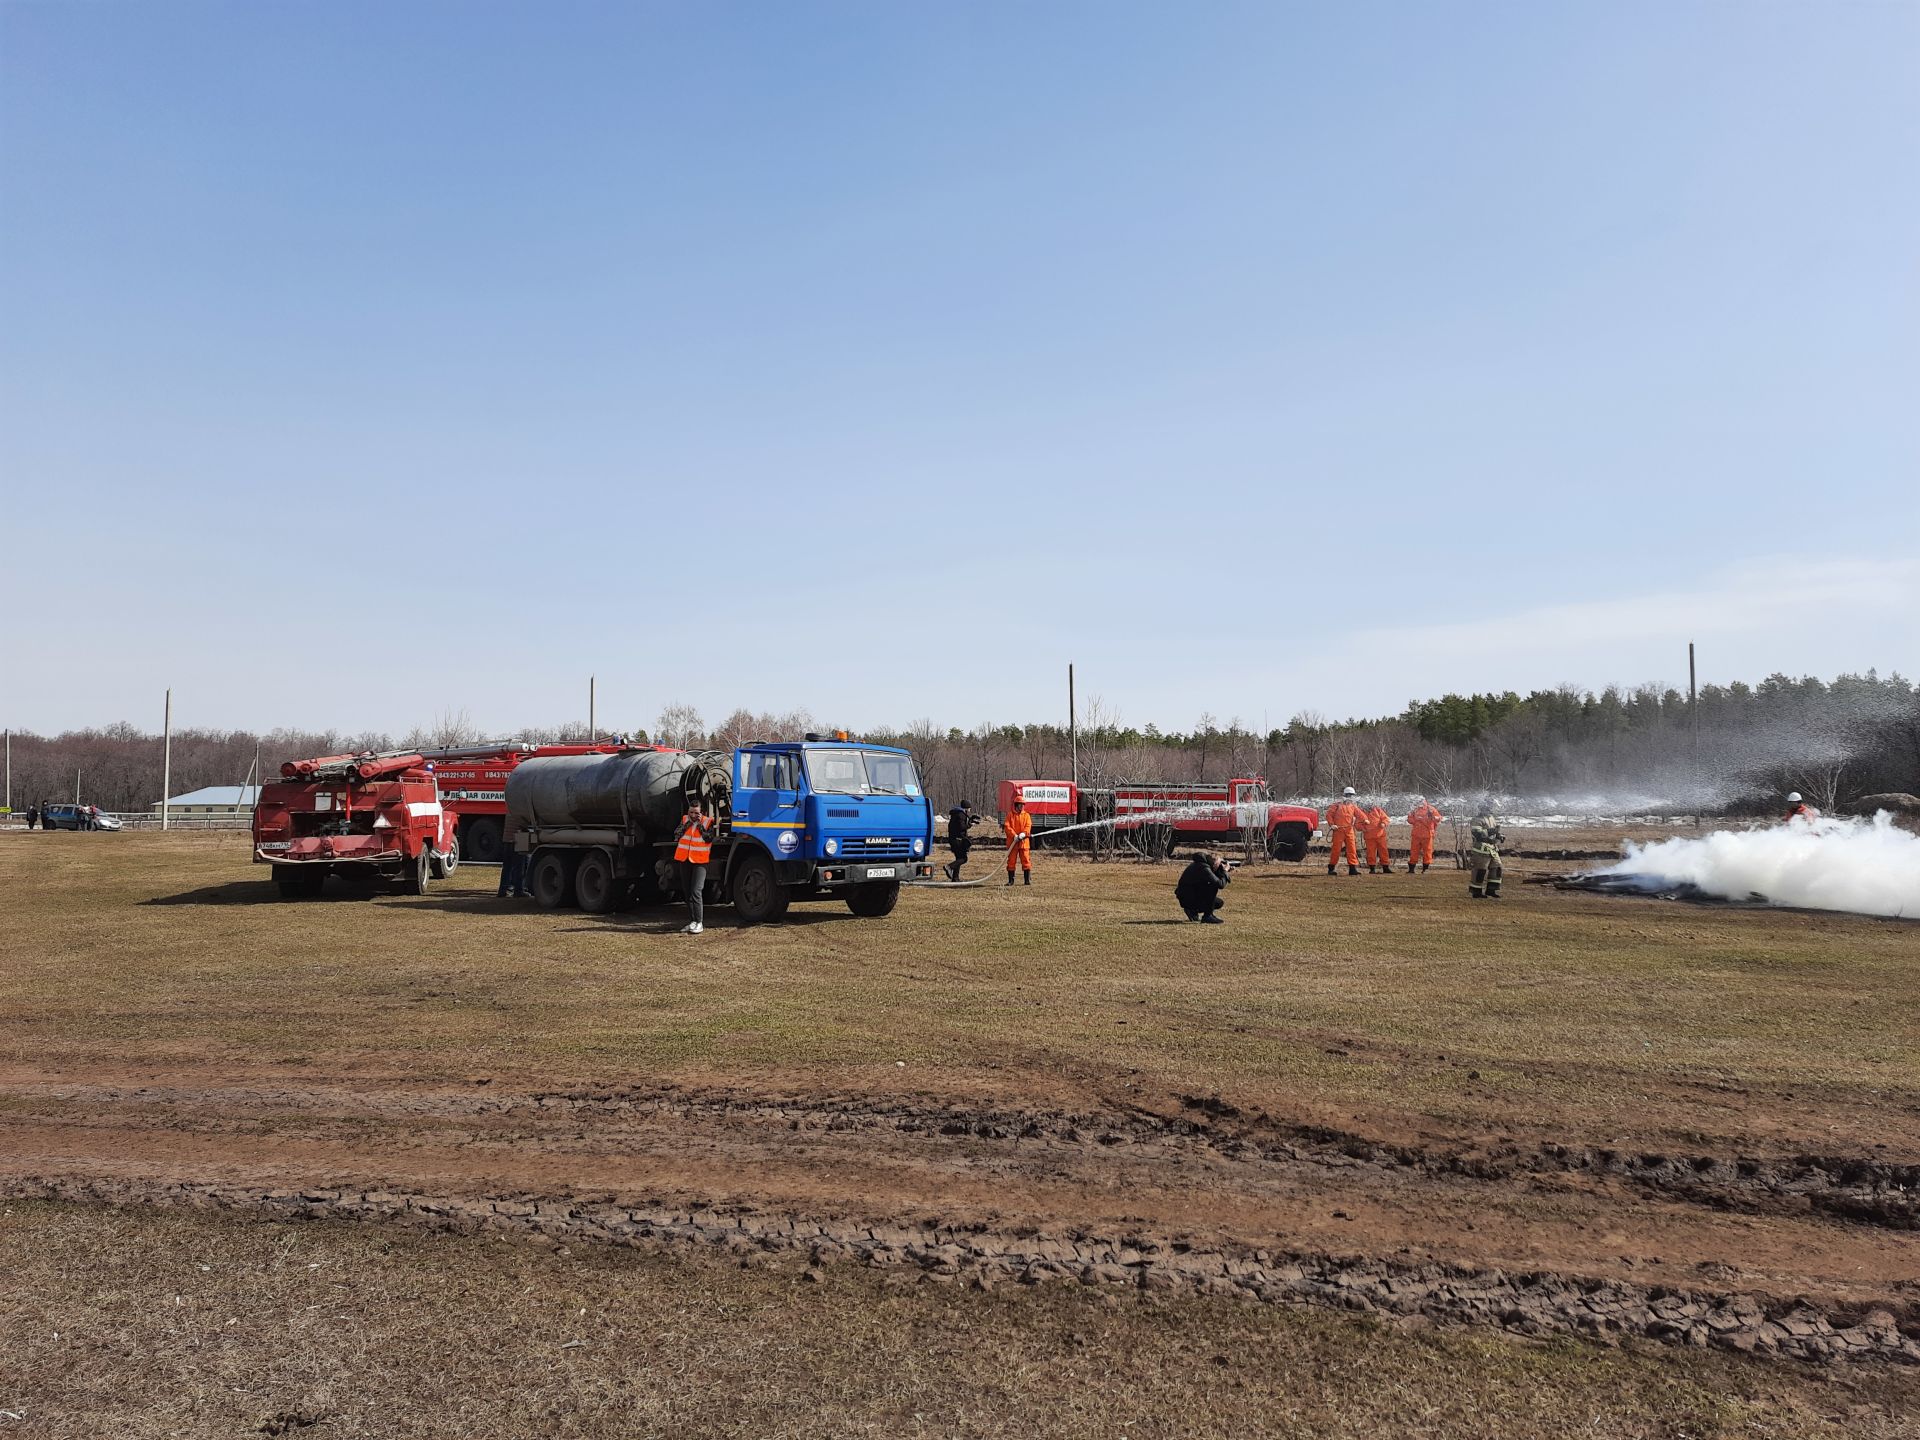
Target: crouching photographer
{"type": "Point", "coordinates": [1198, 890]}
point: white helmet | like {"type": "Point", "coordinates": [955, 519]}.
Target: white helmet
{"type": "Point", "coordinates": [1794, 798]}
{"type": "Point", "coordinates": [1347, 791]}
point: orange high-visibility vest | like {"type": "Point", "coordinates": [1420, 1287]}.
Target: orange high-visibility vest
{"type": "Point", "coordinates": [694, 847]}
{"type": "Point", "coordinates": [1425, 819]}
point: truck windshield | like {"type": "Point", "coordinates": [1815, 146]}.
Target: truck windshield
{"type": "Point", "coordinates": [861, 772]}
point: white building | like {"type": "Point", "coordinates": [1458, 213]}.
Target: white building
{"type": "Point", "coordinates": [213, 800]}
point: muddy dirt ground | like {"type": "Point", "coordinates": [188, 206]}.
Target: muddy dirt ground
{"type": "Point", "coordinates": [1563, 1120]}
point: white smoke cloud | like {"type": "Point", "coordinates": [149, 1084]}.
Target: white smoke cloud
{"type": "Point", "coordinates": [1868, 867]}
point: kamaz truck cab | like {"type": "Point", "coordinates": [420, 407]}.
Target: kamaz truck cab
{"type": "Point", "coordinates": [825, 817]}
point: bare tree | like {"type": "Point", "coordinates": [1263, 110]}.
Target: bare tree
{"type": "Point", "coordinates": [680, 727]}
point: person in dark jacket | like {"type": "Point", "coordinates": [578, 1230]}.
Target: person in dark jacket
{"type": "Point", "coordinates": [960, 823]}
{"type": "Point", "coordinates": [513, 861]}
{"type": "Point", "coordinates": [33, 814]}
{"type": "Point", "coordinates": [1199, 888]}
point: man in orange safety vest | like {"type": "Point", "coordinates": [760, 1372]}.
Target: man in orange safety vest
{"type": "Point", "coordinates": [692, 849]}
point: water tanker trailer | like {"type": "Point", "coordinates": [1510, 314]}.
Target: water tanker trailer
{"type": "Point", "coordinates": [801, 820]}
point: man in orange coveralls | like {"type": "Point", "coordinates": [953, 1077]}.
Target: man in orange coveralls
{"type": "Point", "coordinates": [1018, 828]}
{"type": "Point", "coordinates": [1343, 817]}
{"type": "Point", "coordinates": [1423, 819]}
{"type": "Point", "coordinates": [1373, 825]}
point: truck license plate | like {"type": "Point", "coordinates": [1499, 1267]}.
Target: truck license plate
{"type": "Point", "coordinates": [879, 872]}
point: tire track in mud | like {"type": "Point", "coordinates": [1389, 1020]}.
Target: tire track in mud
{"type": "Point", "coordinates": [1852, 1189]}
{"type": "Point", "coordinates": [1534, 1304]}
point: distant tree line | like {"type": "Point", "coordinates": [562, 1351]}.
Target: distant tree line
{"type": "Point", "coordinates": [1739, 748]}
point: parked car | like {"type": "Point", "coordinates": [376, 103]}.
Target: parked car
{"type": "Point", "coordinates": [74, 817]}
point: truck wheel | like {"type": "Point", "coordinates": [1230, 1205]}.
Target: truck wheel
{"type": "Point", "coordinates": [1287, 842]}
{"type": "Point", "coordinates": [552, 879]}
{"type": "Point", "coordinates": [874, 899]}
{"type": "Point", "coordinates": [414, 877]}
{"type": "Point", "coordinates": [480, 839]}
{"type": "Point", "coordinates": [757, 895]}
{"type": "Point", "coordinates": [594, 887]}
{"type": "Point", "coordinates": [447, 861]}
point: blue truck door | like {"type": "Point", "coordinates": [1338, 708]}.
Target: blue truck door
{"type": "Point", "coordinates": [766, 802]}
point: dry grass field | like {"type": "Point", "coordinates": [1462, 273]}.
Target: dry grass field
{"type": "Point", "coordinates": [1008, 1162]}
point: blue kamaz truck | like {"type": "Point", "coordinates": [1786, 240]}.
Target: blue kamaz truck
{"type": "Point", "coordinates": [799, 820]}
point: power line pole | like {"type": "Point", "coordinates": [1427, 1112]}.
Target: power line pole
{"type": "Point", "coordinates": [9, 803]}
{"type": "Point", "coordinates": [1693, 699]}
{"type": "Point", "coordinates": [166, 762]}
{"type": "Point", "coordinates": [1073, 728]}
{"type": "Point", "coordinates": [593, 728]}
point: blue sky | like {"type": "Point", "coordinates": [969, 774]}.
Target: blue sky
{"type": "Point", "coordinates": [380, 360]}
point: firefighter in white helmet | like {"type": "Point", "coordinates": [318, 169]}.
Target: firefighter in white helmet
{"type": "Point", "coordinates": [1801, 810]}
{"type": "Point", "coordinates": [1343, 820]}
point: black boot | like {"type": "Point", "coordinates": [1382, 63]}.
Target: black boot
{"type": "Point", "coordinates": [1423, 867]}
{"type": "Point", "coordinates": [1009, 877]}
{"type": "Point", "coordinates": [1409, 867]}
{"type": "Point", "coordinates": [1333, 869]}
{"type": "Point", "coordinates": [1026, 877]}
{"type": "Point", "coordinates": [1353, 869]}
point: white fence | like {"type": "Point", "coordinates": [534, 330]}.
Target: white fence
{"type": "Point", "coordinates": [148, 820]}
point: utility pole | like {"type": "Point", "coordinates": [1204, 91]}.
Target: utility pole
{"type": "Point", "coordinates": [9, 802]}
{"type": "Point", "coordinates": [1073, 728]}
{"type": "Point", "coordinates": [166, 762]}
{"type": "Point", "coordinates": [76, 784]}
{"type": "Point", "coordinates": [1693, 699]}
{"type": "Point", "coordinates": [593, 729]}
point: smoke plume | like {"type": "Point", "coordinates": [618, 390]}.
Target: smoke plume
{"type": "Point", "coordinates": [1868, 867]}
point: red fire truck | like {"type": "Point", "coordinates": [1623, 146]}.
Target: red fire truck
{"type": "Point", "coordinates": [1171, 813]}
{"type": "Point", "coordinates": [473, 783]}
{"type": "Point", "coordinates": [365, 818]}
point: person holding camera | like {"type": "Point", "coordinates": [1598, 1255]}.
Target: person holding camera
{"type": "Point", "coordinates": [1198, 890]}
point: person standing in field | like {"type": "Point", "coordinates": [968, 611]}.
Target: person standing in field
{"type": "Point", "coordinates": [1373, 824]}
{"type": "Point", "coordinates": [1484, 858]}
{"type": "Point", "coordinates": [960, 821]}
{"type": "Point", "coordinates": [692, 849]}
{"type": "Point", "coordinates": [1801, 810]}
{"type": "Point", "coordinates": [513, 861]}
{"type": "Point", "coordinates": [1423, 820]}
{"type": "Point", "coordinates": [1018, 828]}
{"type": "Point", "coordinates": [1343, 818]}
